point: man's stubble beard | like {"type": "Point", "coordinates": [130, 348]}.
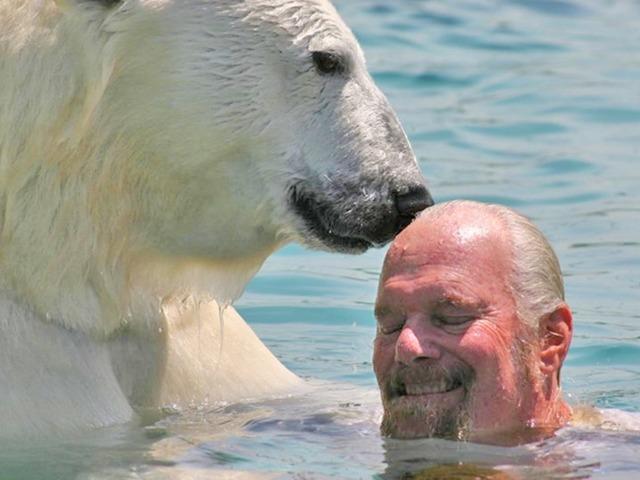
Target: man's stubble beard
{"type": "Point", "coordinates": [451, 423]}
{"type": "Point", "coordinates": [428, 419]}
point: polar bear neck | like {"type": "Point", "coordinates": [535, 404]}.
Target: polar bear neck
{"type": "Point", "coordinates": [156, 281]}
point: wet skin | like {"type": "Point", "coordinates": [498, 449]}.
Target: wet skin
{"type": "Point", "coordinates": [450, 355]}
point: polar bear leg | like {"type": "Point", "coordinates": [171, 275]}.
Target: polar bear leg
{"type": "Point", "coordinates": [198, 367]}
{"type": "Point", "coordinates": [188, 361]}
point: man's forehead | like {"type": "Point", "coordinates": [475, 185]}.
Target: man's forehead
{"type": "Point", "coordinates": [457, 239]}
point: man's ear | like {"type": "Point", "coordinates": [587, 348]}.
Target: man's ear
{"type": "Point", "coordinates": [556, 331]}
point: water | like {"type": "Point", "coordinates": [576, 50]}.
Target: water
{"type": "Point", "coordinates": [532, 104]}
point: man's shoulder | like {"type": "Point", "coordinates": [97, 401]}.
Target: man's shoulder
{"type": "Point", "coordinates": [605, 418]}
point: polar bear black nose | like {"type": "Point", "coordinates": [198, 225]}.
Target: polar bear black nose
{"type": "Point", "coordinates": [412, 202]}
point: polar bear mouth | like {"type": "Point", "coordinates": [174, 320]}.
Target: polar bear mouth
{"type": "Point", "coordinates": [322, 222]}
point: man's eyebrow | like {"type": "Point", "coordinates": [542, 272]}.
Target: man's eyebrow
{"type": "Point", "coordinates": [459, 301]}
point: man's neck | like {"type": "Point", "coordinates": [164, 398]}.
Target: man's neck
{"type": "Point", "coordinates": [547, 413]}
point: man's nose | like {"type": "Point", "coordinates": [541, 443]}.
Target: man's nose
{"type": "Point", "coordinates": [414, 344]}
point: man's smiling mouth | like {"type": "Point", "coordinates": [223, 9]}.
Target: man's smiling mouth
{"type": "Point", "coordinates": [443, 386]}
{"type": "Point", "coordinates": [430, 381]}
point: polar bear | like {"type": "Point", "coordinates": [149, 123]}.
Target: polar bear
{"type": "Point", "coordinates": [153, 153]}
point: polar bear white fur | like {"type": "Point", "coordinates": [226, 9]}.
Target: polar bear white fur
{"type": "Point", "coordinates": [153, 153]}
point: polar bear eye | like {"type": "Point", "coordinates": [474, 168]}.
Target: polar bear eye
{"type": "Point", "coordinates": [327, 63]}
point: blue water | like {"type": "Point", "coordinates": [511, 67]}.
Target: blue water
{"type": "Point", "coordinates": [534, 104]}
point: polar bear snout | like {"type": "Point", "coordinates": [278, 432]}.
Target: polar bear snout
{"type": "Point", "coordinates": [410, 203]}
{"type": "Point", "coordinates": [353, 220]}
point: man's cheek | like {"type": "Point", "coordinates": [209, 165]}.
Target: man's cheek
{"type": "Point", "coordinates": [383, 355]}
{"type": "Point", "coordinates": [485, 343]}
{"type": "Point", "coordinates": [384, 347]}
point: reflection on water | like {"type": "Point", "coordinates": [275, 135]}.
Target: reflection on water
{"type": "Point", "coordinates": [533, 104]}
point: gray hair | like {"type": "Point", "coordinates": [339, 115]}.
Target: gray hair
{"type": "Point", "coordinates": [536, 278]}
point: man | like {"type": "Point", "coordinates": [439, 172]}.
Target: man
{"type": "Point", "coordinates": [472, 328]}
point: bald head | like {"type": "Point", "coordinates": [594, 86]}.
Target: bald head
{"type": "Point", "coordinates": [497, 236]}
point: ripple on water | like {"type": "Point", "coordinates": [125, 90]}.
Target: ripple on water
{"type": "Point", "coordinates": [382, 9]}
{"type": "Point", "coordinates": [442, 19]}
{"type": "Point", "coordinates": [553, 7]}
{"type": "Point", "coordinates": [508, 45]}
{"type": "Point", "coordinates": [518, 129]}
{"type": "Point", "coordinates": [614, 115]}
{"type": "Point", "coordinates": [564, 166]}
{"type": "Point", "coordinates": [425, 80]}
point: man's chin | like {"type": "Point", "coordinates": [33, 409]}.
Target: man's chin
{"type": "Point", "coordinates": [441, 415]}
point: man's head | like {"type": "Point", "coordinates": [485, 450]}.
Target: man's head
{"type": "Point", "coordinates": [472, 327]}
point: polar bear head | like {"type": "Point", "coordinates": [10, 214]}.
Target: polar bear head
{"type": "Point", "coordinates": [207, 130]}
{"type": "Point", "coordinates": [260, 123]}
